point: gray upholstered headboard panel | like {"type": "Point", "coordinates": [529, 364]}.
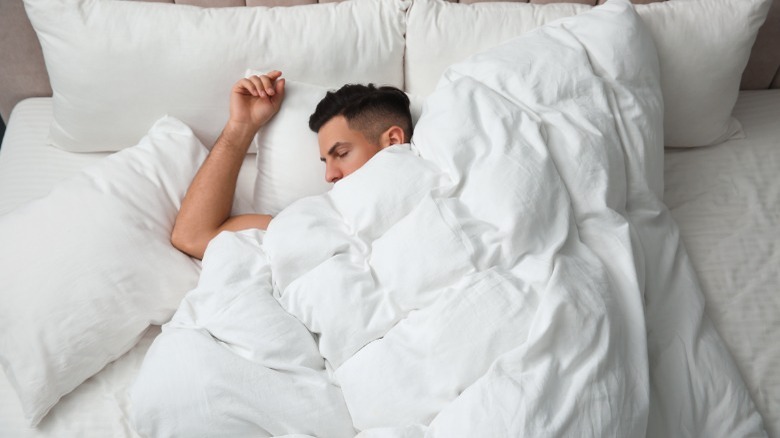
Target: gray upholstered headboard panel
{"type": "Point", "coordinates": [23, 74]}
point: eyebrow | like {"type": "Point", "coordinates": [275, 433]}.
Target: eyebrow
{"type": "Point", "coordinates": [332, 149]}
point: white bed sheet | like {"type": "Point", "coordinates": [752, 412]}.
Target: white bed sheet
{"type": "Point", "coordinates": [725, 198]}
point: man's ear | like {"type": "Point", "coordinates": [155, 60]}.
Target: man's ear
{"type": "Point", "coordinates": [393, 135]}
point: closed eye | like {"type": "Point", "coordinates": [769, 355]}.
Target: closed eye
{"type": "Point", "coordinates": [339, 149]}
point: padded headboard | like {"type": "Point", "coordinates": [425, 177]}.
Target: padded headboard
{"type": "Point", "coordinates": [23, 73]}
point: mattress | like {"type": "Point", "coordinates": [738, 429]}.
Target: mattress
{"type": "Point", "coordinates": [725, 198]}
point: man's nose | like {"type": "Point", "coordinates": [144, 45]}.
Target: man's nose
{"type": "Point", "coordinates": [332, 174]}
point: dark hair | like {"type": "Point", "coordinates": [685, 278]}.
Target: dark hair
{"type": "Point", "coordinates": [367, 108]}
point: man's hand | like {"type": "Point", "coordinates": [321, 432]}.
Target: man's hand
{"type": "Point", "coordinates": [205, 209]}
{"type": "Point", "coordinates": [256, 99]}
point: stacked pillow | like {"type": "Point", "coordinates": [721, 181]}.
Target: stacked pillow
{"type": "Point", "coordinates": [94, 49]}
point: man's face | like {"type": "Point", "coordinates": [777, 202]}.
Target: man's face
{"type": "Point", "coordinates": [343, 150]}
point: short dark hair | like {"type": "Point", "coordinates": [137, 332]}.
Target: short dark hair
{"type": "Point", "coordinates": [368, 109]}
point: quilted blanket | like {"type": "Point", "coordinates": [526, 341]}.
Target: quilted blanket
{"type": "Point", "coordinates": [513, 272]}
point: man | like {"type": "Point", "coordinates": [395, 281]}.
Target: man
{"type": "Point", "coordinates": [353, 124]}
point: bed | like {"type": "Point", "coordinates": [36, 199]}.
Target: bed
{"type": "Point", "coordinates": [722, 195]}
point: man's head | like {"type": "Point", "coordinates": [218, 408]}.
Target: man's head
{"type": "Point", "coordinates": [357, 121]}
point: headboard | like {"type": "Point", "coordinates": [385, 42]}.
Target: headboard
{"type": "Point", "coordinates": [23, 73]}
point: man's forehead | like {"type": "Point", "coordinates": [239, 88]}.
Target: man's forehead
{"type": "Point", "coordinates": [336, 130]}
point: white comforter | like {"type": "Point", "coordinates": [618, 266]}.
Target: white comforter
{"type": "Point", "coordinates": [513, 273]}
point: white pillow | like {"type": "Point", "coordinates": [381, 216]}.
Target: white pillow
{"type": "Point", "coordinates": [703, 47]}
{"type": "Point", "coordinates": [117, 66]}
{"type": "Point", "coordinates": [86, 269]}
{"type": "Point", "coordinates": [288, 163]}
{"type": "Point", "coordinates": [288, 159]}
{"type": "Point", "coordinates": [439, 33]}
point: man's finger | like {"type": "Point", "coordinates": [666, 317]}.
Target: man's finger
{"type": "Point", "coordinates": [268, 85]}
{"type": "Point", "coordinates": [257, 83]}
{"type": "Point", "coordinates": [280, 87]}
{"type": "Point", "coordinates": [245, 86]}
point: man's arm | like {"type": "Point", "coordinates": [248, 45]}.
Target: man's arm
{"type": "Point", "coordinates": [205, 210]}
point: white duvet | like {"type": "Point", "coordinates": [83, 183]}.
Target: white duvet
{"type": "Point", "coordinates": [512, 273]}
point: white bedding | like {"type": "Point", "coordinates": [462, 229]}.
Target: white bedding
{"type": "Point", "coordinates": [523, 277]}
{"type": "Point", "coordinates": [726, 200]}
{"type": "Point", "coordinates": [700, 191]}
{"type": "Point", "coordinates": [29, 168]}
{"type": "Point", "coordinates": [703, 208]}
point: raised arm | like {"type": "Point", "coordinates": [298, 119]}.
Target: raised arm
{"type": "Point", "coordinates": [205, 210]}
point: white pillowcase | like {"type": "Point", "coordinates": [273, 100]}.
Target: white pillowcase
{"type": "Point", "coordinates": [288, 159]}
{"type": "Point", "coordinates": [86, 269]}
{"type": "Point", "coordinates": [703, 47]}
{"type": "Point", "coordinates": [117, 66]}
{"type": "Point", "coordinates": [288, 163]}
{"type": "Point", "coordinates": [440, 33]}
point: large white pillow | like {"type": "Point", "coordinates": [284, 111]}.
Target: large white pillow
{"type": "Point", "coordinates": [703, 47]}
{"type": "Point", "coordinates": [86, 269]}
{"type": "Point", "coordinates": [288, 159]}
{"type": "Point", "coordinates": [439, 33]}
{"type": "Point", "coordinates": [117, 66]}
